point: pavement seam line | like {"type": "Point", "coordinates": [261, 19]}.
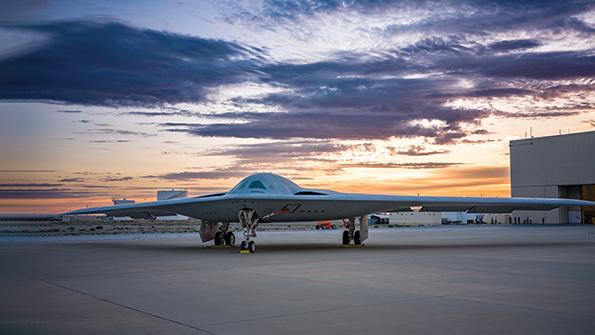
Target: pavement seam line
{"type": "Point", "coordinates": [129, 307]}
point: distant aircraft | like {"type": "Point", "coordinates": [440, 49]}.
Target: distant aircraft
{"type": "Point", "coordinates": [267, 197]}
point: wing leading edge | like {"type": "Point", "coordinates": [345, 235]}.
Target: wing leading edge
{"type": "Point", "coordinates": [277, 199]}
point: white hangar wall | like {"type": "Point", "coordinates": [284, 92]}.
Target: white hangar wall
{"type": "Point", "coordinates": [561, 166]}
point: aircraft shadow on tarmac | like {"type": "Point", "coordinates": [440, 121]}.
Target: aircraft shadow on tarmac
{"type": "Point", "coordinates": [324, 247]}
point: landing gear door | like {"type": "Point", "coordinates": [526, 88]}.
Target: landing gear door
{"type": "Point", "coordinates": [363, 227]}
{"type": "Point", "coordinates": [207, 230]}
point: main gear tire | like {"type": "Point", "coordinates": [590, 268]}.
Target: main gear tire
{"type": "Point", "coordinates": [219, 238]}
{"type": "Point", "coordinates": [357, 240]}
{"type": "Point", "coordinates": [345, 237]}
{"type": "Point", "coordinates": [230, 239]}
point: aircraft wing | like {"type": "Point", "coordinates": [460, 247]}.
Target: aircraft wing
{"type": "Point", "coordinates": [367, 203]}
{"type": "Point", "coordinates": [151, 210]}
{"type": "Point", "coordinates": [271, 207]}
{"type": "Point", "coordinates": [475, 204]}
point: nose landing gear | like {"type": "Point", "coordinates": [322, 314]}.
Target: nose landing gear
{"type": "Point", "coordinates": [249, 222]}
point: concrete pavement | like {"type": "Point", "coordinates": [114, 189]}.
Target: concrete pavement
{"type": "Point", "coordinates": [436, 280]}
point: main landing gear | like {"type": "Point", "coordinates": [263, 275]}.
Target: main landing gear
{"type": "Point", "coordinates": [352, 235]}
{"type": "Point", "coordinates": [225, 237]}
{"type": "Point", "coordinates": [249, 223]}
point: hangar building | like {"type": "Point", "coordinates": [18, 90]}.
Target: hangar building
{"type": "Point", "coordinates": [561, 166]}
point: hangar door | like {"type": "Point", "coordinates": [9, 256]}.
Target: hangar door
{"type": "Point", "coordinates": [588, 193]}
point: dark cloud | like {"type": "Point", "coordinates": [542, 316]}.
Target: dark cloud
{"type": "Point", "coordinates": [417, 150]}
{"type": "Point", "coordinates": [508, 45]}
{"type": "Point", "coordinates": [213, 174]}
{"type": "Point", "coordinates": [564, 89]}
{"type": "Point", "coordinates": [536, 115]}
{"type": "Point", "coordinates": [72, 180]}
{"type": "Point", "coordinates": [468, 141]}
{"type": "Point", "coordinates": [180, 112]}
{"type": "Point", "coordinates": [350, 98]}
{"type": "Point", "coordinates": [424, 165]}
{"type": "Point", "coordinates": [480, 132]}
{"type": "Point", "coordinates": [496, 92]}
{"type": "Point", "coordinates": [483, 18]}
{"type": "Point", "coordinates": [30, 185]}
{"type": "Point", "coordinates": [53, 193]}
{"type": "Point", "coordinates": [112, 64]}
{"type": "Point", "coordinates": [324, 107]}
{"type": "Point", "coordinates": [98, 186]}
{"type": "Point", "coordinates": [108, 141]}
{"type": "Point", "coordinates": [116, 179]}
{"type": "Point", "coordinates": [284, 150]}
{"type": "Point", "coordinates": [113, 131]}
{"type": "Point", "coordinates": [283, 157]}
{"type": "Point", "coordinates": [545, 65]}
{"type": "Point", "coordinates": [70, 111]}
{"type": "Point", "coordinates": [25, 171]}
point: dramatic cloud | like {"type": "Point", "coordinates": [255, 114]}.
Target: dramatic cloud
{"type": "Point", "coordinates": [404, 92]}
{"type": "Point", "coordinates": [358, 97]}
{"type": "Point", "coordinates": [109, 63]}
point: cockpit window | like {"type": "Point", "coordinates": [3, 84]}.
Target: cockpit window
{"type": "Point", "coordinates": [257, 184]}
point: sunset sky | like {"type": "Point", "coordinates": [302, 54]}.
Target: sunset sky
{"type": "Point", "coordinates": [122, 98]}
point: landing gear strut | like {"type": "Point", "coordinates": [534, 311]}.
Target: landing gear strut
{"type": "Point", "coordinates": [249, 222]}
{"type": "Point", "coordinates": [357, 236]}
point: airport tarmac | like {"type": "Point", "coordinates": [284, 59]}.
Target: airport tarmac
{"type": "Point", "coordinates": [436, 280]}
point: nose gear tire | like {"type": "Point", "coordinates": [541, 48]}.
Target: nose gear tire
{"type": "Point", "coordinates": [251, 247]}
